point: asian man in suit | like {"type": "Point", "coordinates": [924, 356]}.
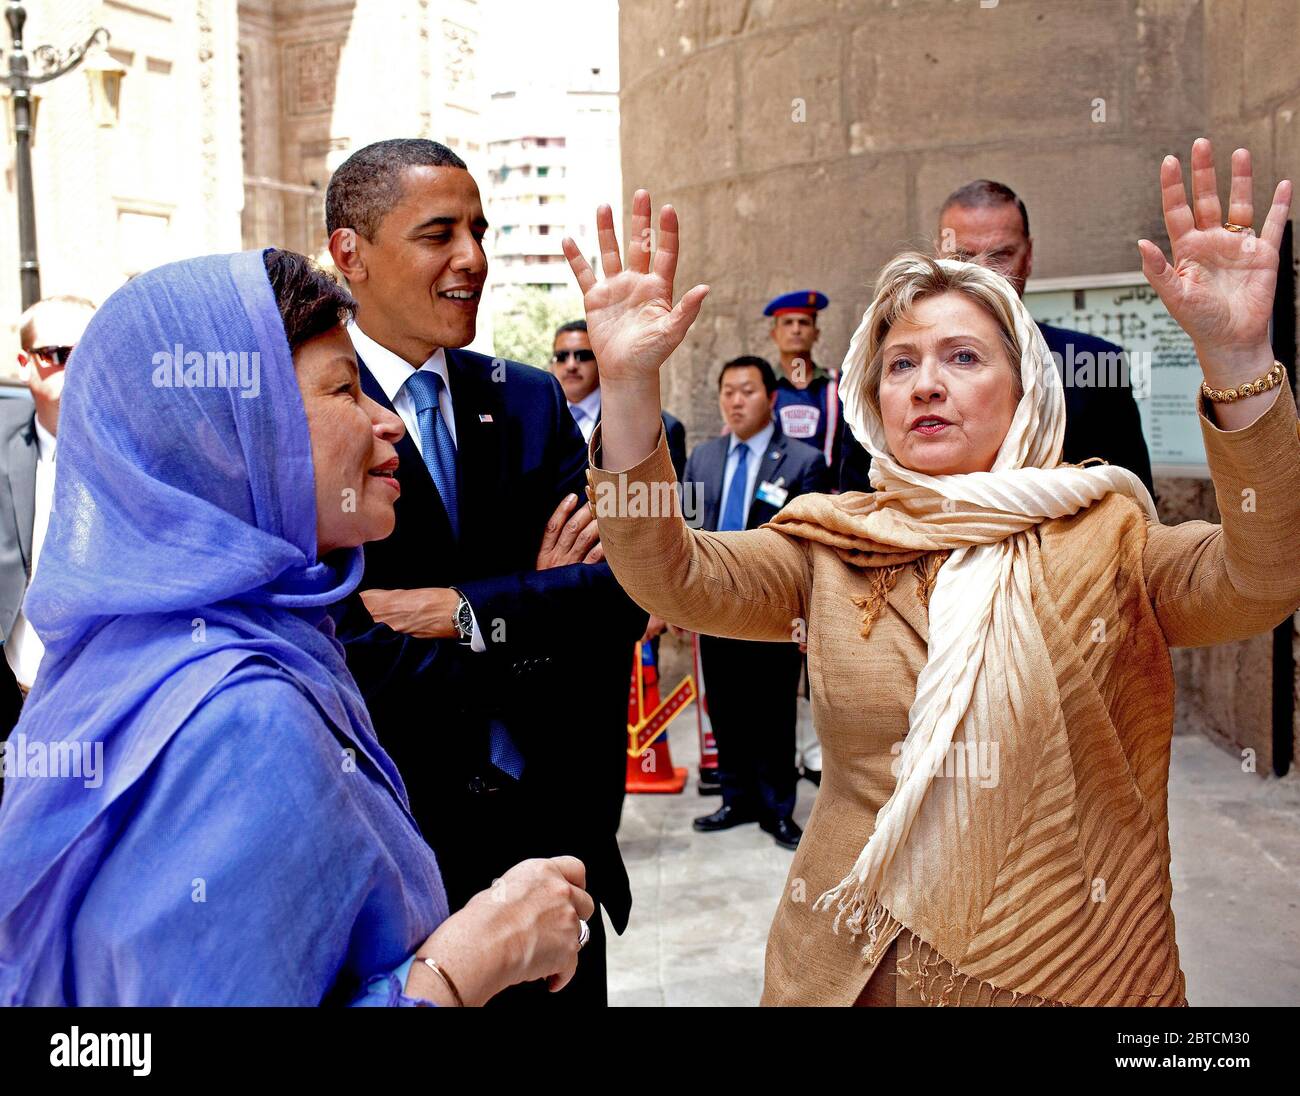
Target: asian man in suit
{"type": "Point", "coordinates": [490, 642]}
{"type": "Point", "coordinates": [746, 476]}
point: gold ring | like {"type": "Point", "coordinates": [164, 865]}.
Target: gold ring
{"type": "Point", "coordinates": [1235, 228]}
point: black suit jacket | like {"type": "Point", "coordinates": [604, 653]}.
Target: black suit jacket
{"type": "Point", "coordinates": [559, 642]}
{"type": "Point", "coordinates": [793, 465]}
{"type": "Point", "coordinates": [18, 453]}
{"type": "Point", "coordinates": [676, 435]}
{"type": "Point", "coordinates": [1099, 421]}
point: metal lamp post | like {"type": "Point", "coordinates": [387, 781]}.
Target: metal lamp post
{"type": "Point", "coordinates": [51, 64]}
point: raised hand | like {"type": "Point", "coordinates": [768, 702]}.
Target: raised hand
{"type": "Point", "coordinates": [631, 318]}
{"type": "Point", "coordinates": [1221, 284]}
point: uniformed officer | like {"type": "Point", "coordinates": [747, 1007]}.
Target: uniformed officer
{"type": "Point", "coordinates": [808, 408]}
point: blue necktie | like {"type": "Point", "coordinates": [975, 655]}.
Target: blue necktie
{"type": "Point", "coordinates": [733, 510]}
{"type": "Point", "coordinates": [439, 451]}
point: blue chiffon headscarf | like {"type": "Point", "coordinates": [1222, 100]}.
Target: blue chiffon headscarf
{"type": "Point", "coordinates": [181, 547]}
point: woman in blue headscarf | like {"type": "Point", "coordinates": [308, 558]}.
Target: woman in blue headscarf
{"type": "Point", "coordinates": [197, 810]}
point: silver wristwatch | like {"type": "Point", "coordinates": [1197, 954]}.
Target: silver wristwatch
{"type": "Point", "coordinates": [463, 619]}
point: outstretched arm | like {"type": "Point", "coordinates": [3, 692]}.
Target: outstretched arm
{"type": "Point", "coordinates": [633, 326]}
{"type": "Point", "coordinates": [1213, 583]}
{"type": "Point", "coordinates": [749, 585]}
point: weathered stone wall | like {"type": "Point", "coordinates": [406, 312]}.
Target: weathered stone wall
{"type": "Point", "coordinates": [804, 143]}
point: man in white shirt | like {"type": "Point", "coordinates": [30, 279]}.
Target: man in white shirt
{"type": "Point", "coordinates": [47, 332]}
{"type": "Point", "coordinates": [574, 364]}
{"type": "Point", "coordinates": [490, 642]}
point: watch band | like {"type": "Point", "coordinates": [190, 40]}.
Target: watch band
{"type": "Point", "coordinates": [463, 619]}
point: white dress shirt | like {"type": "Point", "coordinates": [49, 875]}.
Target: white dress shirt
{"type": "Point", "coordinates": [587, 413]}
{"type": "Point", "coordinates": [392, 373]}
{"type": "Point", "coordinates": [757, 445]}
{"type": "Point", "coordinates": [23, 648]}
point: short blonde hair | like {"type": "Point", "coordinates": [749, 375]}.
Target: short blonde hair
{"type": "Point", "coordinates": [912, 277]}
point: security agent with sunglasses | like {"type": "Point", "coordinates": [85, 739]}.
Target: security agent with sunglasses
{"type": "Point", "coordinates": [47, 332]}
{"type": "Point", "coordinates": [574, 364]}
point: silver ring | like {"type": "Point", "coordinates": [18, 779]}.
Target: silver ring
{"type": "Point", "coordinates": [584, 934]}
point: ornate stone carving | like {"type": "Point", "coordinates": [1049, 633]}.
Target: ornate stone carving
{"type": "Point", "coordinates": [310, 72]}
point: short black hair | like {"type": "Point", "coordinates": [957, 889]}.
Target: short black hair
{"type": "Point", "coordinates": [983, 193]}
{"type": "Point", "coordinates": [572, 325]}
{"type": "Point", "coordinates": [369, 182]}
{"type": "Point", "coordinates": [749, 361]}
{"type": "Point", "coordinates": [310, 301]}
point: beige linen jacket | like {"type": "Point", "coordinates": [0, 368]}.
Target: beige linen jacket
{"type": "Point", "coordinates": [1151, 586]}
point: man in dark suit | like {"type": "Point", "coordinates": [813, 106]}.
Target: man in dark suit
{"type": "Point", "coordinates": [985, 218]}
{"type": "Point", "coordinates": [746, 476]}
{"type": "Point", "coordinates": [47, 332]}
{"type": "Point", "coordinates": [988, 221]}
{"type": "Point", "coordinates": [494, 661]}
{"type": "Point", "coordinates": [574, 364]}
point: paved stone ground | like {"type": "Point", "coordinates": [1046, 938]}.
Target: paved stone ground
{"type": "Point", "coordinates": [702, 903]}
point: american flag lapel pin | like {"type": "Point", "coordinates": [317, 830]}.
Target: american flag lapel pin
{"type": "Point", "coordinates": [485, 418]}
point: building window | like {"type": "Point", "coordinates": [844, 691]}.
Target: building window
{"type": "Point", "coordinates": [542, 172]}
{"type": "Point", "coordinates": [543, 230]}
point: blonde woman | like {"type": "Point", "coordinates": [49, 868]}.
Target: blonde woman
{"type": "Point", "coordinates": [988, 633]}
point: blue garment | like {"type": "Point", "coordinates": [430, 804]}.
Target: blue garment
{"type": "Point", "coordinates": [249, 841]}
{"type": "Point", "coordinates": [737, 501]}
{"type": "Point", "coordinates": [813, 415]}
{"type": "Point", "coordinates": [439, 451]}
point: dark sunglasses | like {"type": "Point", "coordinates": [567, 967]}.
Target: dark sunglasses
{"type": "Point", "coordinates": [53, 355]}
{"type": "Point", "coordinates": [561, 356]}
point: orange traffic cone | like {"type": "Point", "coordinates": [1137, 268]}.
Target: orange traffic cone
{"type": "Point", "coordinates": [649, 762]}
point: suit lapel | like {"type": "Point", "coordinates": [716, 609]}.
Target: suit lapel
{"type": "Point", "coordinates": [480, 418]}
{"type": "Point", "coordinates": [22, 486]}
{"type": "Point", "coordinates": [717, 476]}
{"type": "Point", "coordinates": [767, 466]}
{"type": "Point", "coordinates": [419, 502]}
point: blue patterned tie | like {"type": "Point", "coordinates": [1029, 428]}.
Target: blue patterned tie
{"type": "Point", "coordinates": [439, 451]}
{"type": "Point", "coordinates": [733, 511]}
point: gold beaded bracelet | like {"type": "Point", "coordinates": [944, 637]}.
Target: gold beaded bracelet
{"type": "Point", "coordinates": [1271, 379]}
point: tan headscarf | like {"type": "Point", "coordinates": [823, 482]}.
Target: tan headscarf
{"type": "Point", "coordinates": [988, 674]}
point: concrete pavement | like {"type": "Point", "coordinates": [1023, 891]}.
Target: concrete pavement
{"type": "Point", "coordinates": [702, 903]}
